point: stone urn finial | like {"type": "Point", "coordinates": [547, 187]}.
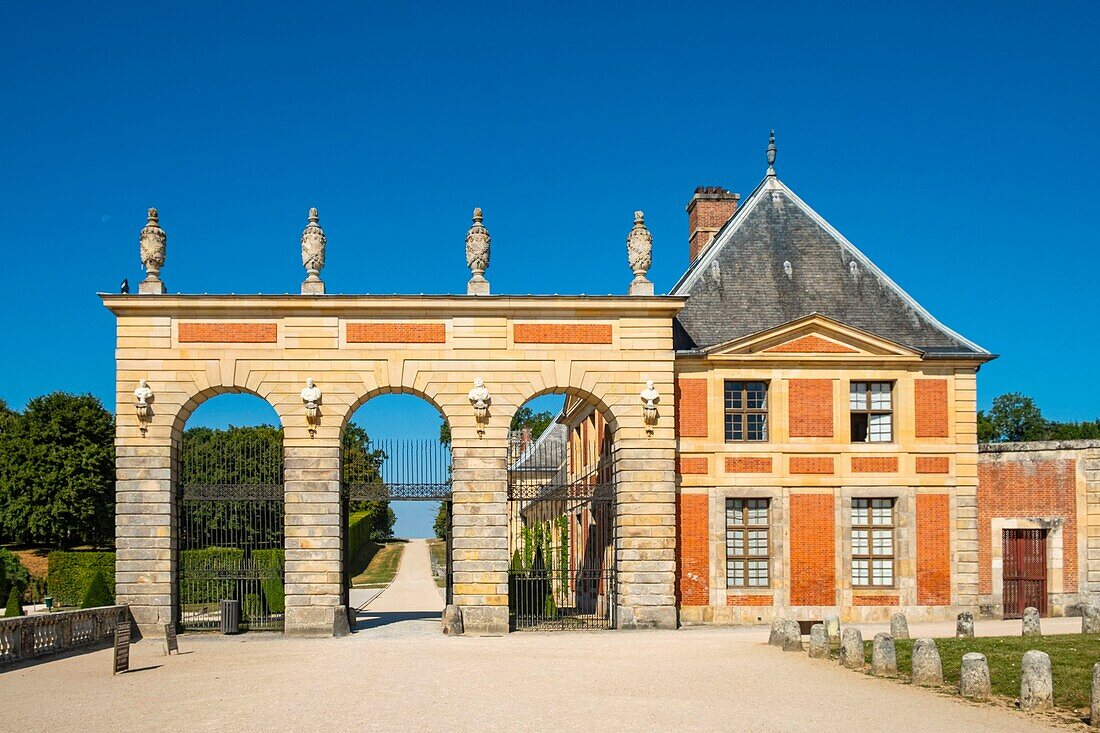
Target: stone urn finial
{"type": "Point", "coordinates": [477, 256]}
{"type": "Point", "coordinates": [639, 253]}
{"type": "Point", "coordinates": [154, 249]}
{"type": "Point", "coordinates": [771, 154]}
{"type": "Point", "coordinates": [313, 255]}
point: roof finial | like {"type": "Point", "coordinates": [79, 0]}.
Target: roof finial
{"type": "Point", "coordinates": [771, 154]}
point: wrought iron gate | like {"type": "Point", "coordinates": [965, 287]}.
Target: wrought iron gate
{"type": "Point", "coordinates": [561, 535]}
{"type": "Point", "coordinates": [230, 520]}
{"type": "Point", "coordinates": [1024, 570]}
{"type": "Point", "coordinates": [396, 470]}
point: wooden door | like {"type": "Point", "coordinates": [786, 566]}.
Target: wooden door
{"type": "Point", "coordinates": [1025, 571]}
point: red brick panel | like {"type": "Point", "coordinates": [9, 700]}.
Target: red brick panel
{"type": "Point", "coordinates": [813, 551]}
{"type": "Point", "coordinates": [693, 556]}
{"type": "Point", "coordinates": [397, 333]}
{"type": "Point", "coordinates": [933, 464]}
{"type": "Point", "coordinates": [691, 408]}
{"type": "Point", "coordinates": [811, 408]}
{"type": "Point", "coordinates": [1023, 489]}
{"type": "Point", "coordinates": [561, 333]}
{"type": "Point", "coordinates": [692, 465]}
{"type": "Point", "coordinates": [930, 397]}
{"type": "Point", "coordinates": [228, 333]}
{"type": "Point", "coordinates": [746, 464]}
{"type": "Point", "coordinates": [811, 345]}
{"type": "Point", "coordinates": [874, 600]}
{"type": "Point", "coordinates": [933, 550]}
{"type": "Point", "coordinates": [874, 464]}
{"type": "Point", "coordinates": [756, 600]}
{"type": "Point", "coordinates": [811, 465]}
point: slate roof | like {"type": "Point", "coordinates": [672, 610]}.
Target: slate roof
{"type": "Point", "coordinates": [738, 286]}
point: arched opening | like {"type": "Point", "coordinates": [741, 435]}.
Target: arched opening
{"type": "Point", "coordinates": [230, 516]}
{"type": "Point", "coordinates": [561, 514]}
{"type": "Point", "coordinates": [396, 482]}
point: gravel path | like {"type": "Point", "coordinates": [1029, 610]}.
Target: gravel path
{"type": "Point", "coordinates": [688, 680]}
{"type": "Point", "coordinates": [409, 606]}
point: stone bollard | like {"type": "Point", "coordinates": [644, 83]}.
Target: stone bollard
{"type": "Point", "coordinates": [819, 642]}
{"type": "Point", "coordinates": [974, 677]}
{"type": "Point", "coordinates": [1036, 684]}
{"type": "Point", "coordinates": [964, 626]}
{"type": "Point", "coordinates": [1090, 619]}
{"type": "Point", "coordinates": [884, 657]}
{"type": "Point", "coordinates": [1031, 622]}
{"type": "Point", "coordinates": [899, 626]}
{"type": "Point", "coordinates": [792, 637]}
{"type": "Point", "coordinates": [851, 649]}
{"type": "Point", "coordinates": [452, 620]}
{"type": "Point", "coordinates": [832, 630]}
{"type": "Point", "coordinates": [775, 638]}
{"type": "Point", "coordinates": [1094, 712]}
{"type": "Point", "coordinates": [927, 667]}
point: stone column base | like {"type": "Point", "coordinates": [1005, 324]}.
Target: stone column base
{"type": "Point", "coordinates": [485, 620]}
{"type": "Point", "coordinates": [316, 621]}
{"type": "Point", "coordinates": [646, 617]}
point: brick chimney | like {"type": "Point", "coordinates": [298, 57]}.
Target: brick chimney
{"type": "Point", "coordinates": [708, 211]}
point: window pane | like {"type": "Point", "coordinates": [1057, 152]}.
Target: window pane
{"type": "Point", "coordinates": [756, 395]}
{"type": "Point", "coordinates": [882, 511]}
{"type": "Point", "coordinates": [735, 427]}
{"type": "Point", "coordinates": [733, 395]}
{"type": "Point", "coordinates": [882, 572]}
{"type": "Point", "coordinates": [735, 573]}
{"type": "Point", "coordinates": [758, 542]}
{"type": "Point", "coordinates": [859, 427]}
{"type": "Point", "coordinates": [758, 573]}
{"type": "Point", "coordinates": [860, 574]}
{"type": "Point", "coordinates": [859, 542]}
{"type": "Point", "coordinates": [860, 511]}
{"type": "Point", "coordinates": [857, 397]}
{"type": "Point", "coordinates": [758, 511]}
{"type": "Point", "coordinates": [758, 426]}
{"type": "Point", "coordinates": [880, 431]}
{"type": "Point", "coordinates": [883, 542]}
{"type": "Point", "coordinates": [880, 395]}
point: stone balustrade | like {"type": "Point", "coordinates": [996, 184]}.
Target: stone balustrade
{"type": "Point", "coordinates": [47, 634]}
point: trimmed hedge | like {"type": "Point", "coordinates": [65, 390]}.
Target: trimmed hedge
{"type": "Point", "coordinates": [70, 573]}
{"type": "Point", "coordinates": [360, 529]}
{"type": "Point", "coordinates": [194, 590]}
{"type": "Point", "coordinates": [274, 592]}
{"type": "Point", "coordinates": [98, 594]}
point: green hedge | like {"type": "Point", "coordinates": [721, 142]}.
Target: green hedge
{"type": "Point", "coordinates": [360, 529]}
{"type": "Point", "coordinates": [196, 589]}
{"type": "Point", "coordinates": [274, 593]}
{"type": "Point", "coordinates": [70, 573]}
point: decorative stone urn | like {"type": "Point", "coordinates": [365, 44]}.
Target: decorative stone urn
{"type": "Point", "coordinates": [313, 255]}
{"type": "Point", "coordinates": [479, 400]}
{"type": "Point", "coordinates": [639, 253]}
{"type": "Point", "coordinates": [477, 256]}
{"type": "Point", "coordinates": [154, 249]}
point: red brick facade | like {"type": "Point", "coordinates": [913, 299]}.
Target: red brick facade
{"type": "Point", "coordinates": [874, 600]}
{"type": "Point", "coordinates": [933, 464]}
{"type": "Point", "coordinates": [692, 465]}
{"type": "Point", "coordinates": [811, 345]}
{"type": "Point", "coordinates": [813, 551]}
{"type": "Point", "coordinates": [933, 549]}
{"type": "Point", "coordinates": [1027, 489]}
{"type": "Point", "coordinates": [747, 464]}
{"type": "Point", "coordinates": [561, 333]}
{"type": "Point", "coordinates": [228, 333]}
{"type": "Point", "coordinates": [811, 408]}
{"type": "Point", "coordinates": [749, 600]}
{"type": "Point", "coordinates": [811, 465]}
{"type": "Point", "coordinates": [930, 406]}
{"type": "Point", "coordinates": [874, 464]}
{"type": "Point", "coordinates": [693, 555]}
{"type": "Point", "coordinates": [397, 333]}
{"type": "Point", "coordinates": [691, 408]}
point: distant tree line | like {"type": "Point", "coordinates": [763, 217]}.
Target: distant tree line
{"type": "Point", "coordinates": [1015, 417]}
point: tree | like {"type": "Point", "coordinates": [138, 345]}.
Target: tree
{"type": "Point", "coordinates": [57, 472]}
{"type": "Point", "coordinates": [97, 594]}
{"type": "Point", "coordinates": [1013, 418]}
{"type": "Point", "coordinates": [363, 466]}
{"type": "Point", "coordinates": [15, 604]}
{"type": "Point", "coordinates": [13, 575]}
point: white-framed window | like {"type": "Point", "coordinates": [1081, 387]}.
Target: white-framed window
{"type": "Point", "coordinates": [873, 543]}
{"type": "Point", "coordinates": [872, 408]}
{"type": "Point", "coordinates": [747, 543]}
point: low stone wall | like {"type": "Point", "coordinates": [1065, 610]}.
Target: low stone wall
{"type": "Point", "coordinates": [47, 634]}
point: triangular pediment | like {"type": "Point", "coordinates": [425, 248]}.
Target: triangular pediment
{"type": "Point", "coordinates": [814, 336]}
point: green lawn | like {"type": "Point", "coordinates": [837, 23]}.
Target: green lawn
{"type": "Point", "coordinates": [1071, 658]}
{"type": "Point", "coordinates": [375, 565]}
{"type": "Point", "coordinates": [438, 550]}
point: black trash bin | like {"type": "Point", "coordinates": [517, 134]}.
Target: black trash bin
{"type": "Point", "coordinates": [230, 616]}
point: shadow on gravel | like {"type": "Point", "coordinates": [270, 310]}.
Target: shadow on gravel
{"type": "Point", "coordinates": [365, 620]}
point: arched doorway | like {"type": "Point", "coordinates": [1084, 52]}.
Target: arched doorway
{"type": "Point", "coordinates": [396, 483]}
{"type": "Point", "coordinates": [230, 517]}
{"type": "Point", "coordinates": [561, 508]}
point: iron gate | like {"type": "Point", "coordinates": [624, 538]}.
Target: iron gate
{"type": "Point", "coordinates": [395, 470]}
{"type": "Point", "coordinates": [1024, 570]}
{"type": "Point", "coordinates": [230, 518]}
{"type": "Point", "coordinates": [561, 536]}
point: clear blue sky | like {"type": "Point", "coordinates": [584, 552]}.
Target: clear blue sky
{"type": "Point", "coordinates": [956, 146]}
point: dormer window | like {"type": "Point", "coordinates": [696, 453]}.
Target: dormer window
{"type": "Point", "coordinates": [872, 408]}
